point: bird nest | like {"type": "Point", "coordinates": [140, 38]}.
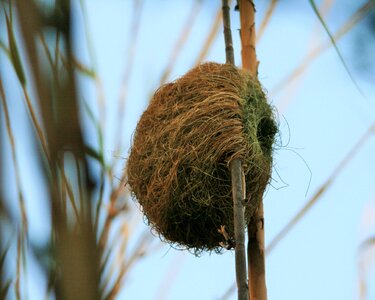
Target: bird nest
{"type": "Point", "coordinates": [178, 168]}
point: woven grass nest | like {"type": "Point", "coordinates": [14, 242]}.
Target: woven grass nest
{"type": "Point", "coordinates": [178, 168]}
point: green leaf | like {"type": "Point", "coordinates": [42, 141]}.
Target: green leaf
{"type": "Point", "coordinates": [316, 11]}
{"type": "Point", "coordinates": [5, 49]}
{"type": "Point", "coordinates": [14, 54]}
{"type": "Point", "coordinates": [94, 154]}
{"type": "Point", "coordinates": [2, 257]}
{"type": "Point", "coordinates": [4, 290]}
{"type": "Point", "coordinates": [97, 126]}
{"type": "Point", "coordinates": [5, 286]}
{"type": "Point", "coordinates": [84, 69]}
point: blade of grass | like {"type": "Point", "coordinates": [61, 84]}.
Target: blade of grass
{"type": "Point", "coordinates": [17, 286]}
{"type": "Point", "coordinates": [316, 11]}
{"type": "Point", "coordinates": [138, 253]}
{"type": "Point", "coordinates": [5, 49]}
{"type": "Point", "coordinates": [293, 86]}
{"type": "Point", "coordinates": [98, 83]}
{"type": "Point", "coordinates": [135, 26]}
{"type": "Point", "coordinates": [100, 157]}
{"type": "Point", "coordinates": [21, 200]}
{"type": "Point", "coordinates": [353, 20]}
{"type": "Point", "coordinates": [321, 191]}
{"type": "Point", "coordinates": [266, 19]}
{"type": "Point", "coordinates": [170, 277]}
{"type": "Point", "coordinates": [14, 53]}
{"type": "Point", "coordinates": [211, 37]}
{"type": "Point", "coordinates": [117, 252]}
{"type": "Point", "coordinates": [113, 211]}
{"type": "Point", "coordinates": [69, 190]}
{"type": "Point", "coordinates": [5, 289]}
{"type": "Point", "coordinates": [183, 37]}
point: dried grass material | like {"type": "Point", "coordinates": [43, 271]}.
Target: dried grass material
{"type": "Point", "coordinates": [178, 167]}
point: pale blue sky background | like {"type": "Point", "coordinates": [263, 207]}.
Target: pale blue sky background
{"type": "Point", "coordinates": [327, 116]}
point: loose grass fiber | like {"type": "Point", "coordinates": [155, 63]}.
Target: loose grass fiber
{"type": "Point", "coordinates": [178, 168]}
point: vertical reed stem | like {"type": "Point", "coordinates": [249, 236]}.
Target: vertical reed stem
{"type": "Point", "coordinates": [255, 248]}
{"type": "Point", "coordinates": [237, 182]}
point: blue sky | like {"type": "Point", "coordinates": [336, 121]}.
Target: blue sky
{"type": "Point", "coordinates": [325, 118]}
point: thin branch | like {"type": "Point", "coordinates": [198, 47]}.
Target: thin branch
{"type": "Point", "coordinates": [237, 182]}
{"type": "Point", "coordinates": [229, 53]}
{"type": "Point", "coordinates": [239, 228]}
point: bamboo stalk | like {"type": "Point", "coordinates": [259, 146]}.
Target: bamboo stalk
{"type": "Point", "coordinates": [255, 248]}
{"type": "Point", "coordinates": [247, 15]}
{"type": "Point", "coordinates": [237, 182]}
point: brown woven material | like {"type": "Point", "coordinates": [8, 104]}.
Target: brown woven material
{"type": "Point", "coordinates": [178, 168]}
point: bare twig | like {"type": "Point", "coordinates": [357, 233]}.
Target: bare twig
{"type": "Point", "coordinates": [237, 183]}
{"type": "Point", "coordinates": [136, 22]}
{"type": "Point", "coordinates": [239, 228]}
{"type": "Point", "coordinates": [229, 53]}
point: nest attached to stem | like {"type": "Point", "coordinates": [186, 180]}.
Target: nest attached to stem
{"type": "Point", "coordinates": [178, 168]}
